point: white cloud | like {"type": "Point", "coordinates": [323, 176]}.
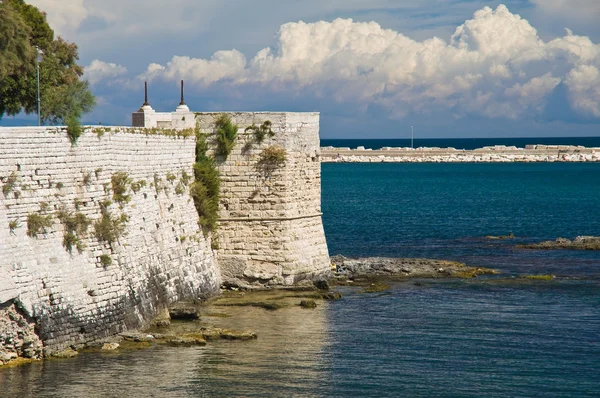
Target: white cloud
{"type": "Point", "coordinates": [63, 16]}
{"type": "Point", "coordinates": [583, 83]}
{"type": "Point", "coordinates": [494, 65]}
{"type": "Point", "coordinates": [222, 65]}
{"type": "Point", "coordinates": [98, 71]}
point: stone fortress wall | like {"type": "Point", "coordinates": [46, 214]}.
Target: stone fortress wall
{"type": "Point", "coordinates": [270, 228]}
{"type": "Point", "coordinates": [76, 298]}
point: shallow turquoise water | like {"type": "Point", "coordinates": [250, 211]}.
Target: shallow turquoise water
{"type": "Point", "coordinates": [483, 337]}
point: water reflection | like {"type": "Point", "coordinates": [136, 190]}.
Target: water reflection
{"type": "Point", "coordinates": [288, 359]}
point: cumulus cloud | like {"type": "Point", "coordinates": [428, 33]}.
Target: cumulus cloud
{"type": "Point", "coordinates": [98, 71]}
{"type": "Point", "coordinates": [494, 65]}
{"type": "Point", "coordinates": [63, 16]}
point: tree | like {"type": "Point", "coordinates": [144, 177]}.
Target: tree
{"type": "Point", "coordinates": [23, 31]}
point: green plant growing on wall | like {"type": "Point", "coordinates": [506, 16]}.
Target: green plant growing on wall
{"type": "Point", "coordinates": [105, 260]}
{"type": "Point", "coordinates": [109, 228]}
{"type": "Point", "coordinates": [9, 184]}
{"type": "Point", "coordinates": [271, 158]}
{"type": "Point", "coordinates": [185, 178]}
{"type": "Point", "coordinates": [37, 223]}
{"type": "Point", "coordinates": [120, 182]}
{"type": "Point", "coordinates": [60, 185]}
{"type": "Point", "coordinates": [205, 188]}
{"type": "Point", "coordinates": [261, 132]}
{"type": "Point", "coordinates": [180, 188]}
{"type": "Point", "coordinates": [76, 225]}
{"type": "Point", "coordinates": [171, 177]}
{"type": "Point", "coordinates": [226, 134]}
{"type": "Point", "coordinates": [136, 187]}
{"type": "Point", "coordinates": [13, 225]}
{"type": "Point", "coordinates": [74, 129]}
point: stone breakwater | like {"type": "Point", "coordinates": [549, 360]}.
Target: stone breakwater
{"type": "Point", "coordinates": [492, 154]}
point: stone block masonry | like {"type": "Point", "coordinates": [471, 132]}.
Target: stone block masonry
{"type": "Point", "coordinates": [270, 229]}
{"type": "Point", "coordinates": [77, 298]}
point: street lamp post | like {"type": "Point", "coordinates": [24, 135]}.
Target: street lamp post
{"type": "Point", "coordinates": [38, 60]}
{"type": "Point", "coordinates": [412, 136]}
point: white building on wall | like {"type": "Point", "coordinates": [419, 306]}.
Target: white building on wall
{"type": "Point", "coordinates": [147, 117]}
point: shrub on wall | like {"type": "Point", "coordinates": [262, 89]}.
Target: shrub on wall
{"type": "Point", "coordinates": [226, 134]}
{"type": "Point", "coordinates": [74, 129]}
{"type": "Point", "coordinates": [261, 132]}
{"type": "Point", "coordinates": [9, 184]}
{"type": "Point", "coordinates": [120, 182]}
{"type": "Point", "coordinates": [271, 158]}
{"type": "Point", "coordinates": [205, 188]}
{"type": "Point", "coordinates": [109, 228]}
{"type": "Point", "coordinates": [76, 225]}
{"type": "Point", "coordinates": [37, 223]}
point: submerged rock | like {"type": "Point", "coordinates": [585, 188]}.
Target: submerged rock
{"type": "Point", "coordinates": [184, 311]}
{"type": "Point", "coordinates": [308, 304]}
{"type": "Point", "coordinates": [377, 267]}
{"type": "Point", "coordinates": [579, 243]}
{"type": "Point", "coordinates": [110, 346]}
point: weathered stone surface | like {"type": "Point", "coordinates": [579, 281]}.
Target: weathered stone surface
{"type": "Point", "coordinates": [17, 335]}
{"type": "Point", "coordinates": [270, 229]}
{"type": "Point", "coordinates": [76, 298]}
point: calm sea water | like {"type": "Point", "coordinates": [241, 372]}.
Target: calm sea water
{"type": "Point", "coordinates": [461, 143]}
{"type": "Point", "coordinates": [485, 337]}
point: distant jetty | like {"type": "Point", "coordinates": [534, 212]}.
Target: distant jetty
{"type": "Point", "coordinates": [488, 154]}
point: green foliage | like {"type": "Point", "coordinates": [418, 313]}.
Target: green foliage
{"type": "Point", "coordinates": [271, 158]}
{"type": "Point", "coordinates": [105, 260]}
{"type": "Point", "coordinates": [109, 228]}
{"type": "Point", "coordinates": [205, 193]}
{"type": "Point", "coordinates": [37, 223]}
{"type": "Point", "coordinates": [15, 48]}
{"type": "Point", "coordinates": [13, 224]}
{"type": "Point", "coordinates": [180, 188]}
{"type": "Point", "coordinates": [76, 225]}
{"type": "Point", "coordinates": [60, 185]}
{"type": "Point", "coordinates": [261, 132]}
{"type": "Point", "coordinates": [97, 172]}
{"type": "Point", "coordinates": [120, 182]}
{"type": "Point", "coordinates": [74, 129]}
{"type": "Point", "coordinates": [23, 28]}
{"type": "Point", "coordinates": [136, 187]}
{"type": "Point", "coordinates": [171, 177]}
{"type": "Point", "coordinates": [9, 184]}
{"type": "Point", "coordinates": [185, 178]}
{"type": "Point", "coordinates": [226, 134]}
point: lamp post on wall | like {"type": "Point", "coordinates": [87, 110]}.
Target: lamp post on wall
{"type": "Point", "coordinates": [37, 64]}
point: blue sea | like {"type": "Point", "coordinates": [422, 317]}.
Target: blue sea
{"type": "Point", "coordinates": [494, 336]}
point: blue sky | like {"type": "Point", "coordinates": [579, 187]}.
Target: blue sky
{"type": "Point", "coordinates": [372, 68]}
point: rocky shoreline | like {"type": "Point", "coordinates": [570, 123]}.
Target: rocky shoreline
{"type": "Point", "coordinates": [492, 154]}
{"type": "Point", "coordinates": [189, 323]}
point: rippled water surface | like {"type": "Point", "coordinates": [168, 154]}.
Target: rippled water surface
{"type": "Point", "coordinates": [485, 337]}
